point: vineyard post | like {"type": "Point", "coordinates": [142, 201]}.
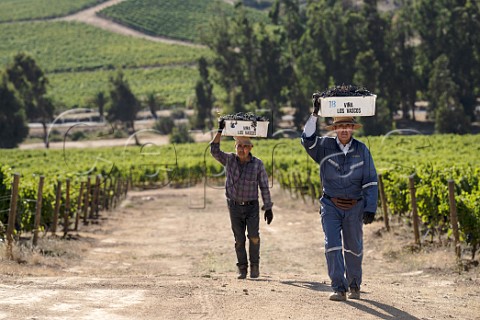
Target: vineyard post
{"type": "Point", "coordinates": [118, 190]}
{"type": "Point", "coordinates": [96, 195]}
{"type": "Point", "coordinates": [414, 209]}
{"type": "Point", "coordinates": [92, 201]}
{"type": "Point", "coordinates": [86, 201]}
{"type": "Point", "coordinates": [383, 199]}
{"type": "Point", "coordinates": [453, 216]}
{"type": "Point", "coordinates": [38, 211]}
{"type": "Point", "coordinates": [57, 207]}
{"type": "Point", "coordinates": [12, 214]}
{"type": "Point", "coordinates": [110, 194]}
{"type": "Point", "coordinates": [79, 205]}
{"type": "Point", "coordinates": [104, 194]}
{"type": "Point", "coordinates": [66, 212]}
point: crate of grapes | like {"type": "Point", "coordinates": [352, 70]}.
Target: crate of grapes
{"type": "Point", "coordinates": [246, 125]}
{"type": "Point", "coordinates": [347, 100]}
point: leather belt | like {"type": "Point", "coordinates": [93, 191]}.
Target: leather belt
{"type": "Point", "coordinates": [242, 203]}
{"type": "Point", "coordinates": [344, 204]}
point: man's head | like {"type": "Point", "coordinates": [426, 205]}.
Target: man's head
{"type": "Point", "coordinates": [243, 145]}
{"type": "Point", "coordinates": [344, 127]}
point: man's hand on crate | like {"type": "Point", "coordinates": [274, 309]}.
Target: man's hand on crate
{"type": "Point", "coordinates": [316, 103]}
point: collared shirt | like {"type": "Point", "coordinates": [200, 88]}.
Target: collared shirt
{"type": "Point", "coordinates": [243, 179]}
{"type": "Point", "coordinates": [344, 148]}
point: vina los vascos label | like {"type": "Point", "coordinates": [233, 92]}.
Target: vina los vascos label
{"type": "Point", "coordinates": [348, 106]}
{"type": "Point", "coordinates": [246, 128]}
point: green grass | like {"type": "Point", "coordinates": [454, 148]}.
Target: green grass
{"type": "Point", "coordinates": [179, 19]}
{"type": "Point", "coordinates": [18, 10]}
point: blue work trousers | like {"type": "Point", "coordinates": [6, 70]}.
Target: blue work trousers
{"type": "Point", "coordinates": [344, 259]}
{"type": "Point", "coordinates": [246, 218]}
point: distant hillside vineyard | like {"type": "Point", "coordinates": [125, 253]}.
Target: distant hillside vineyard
{"type": "Point", "coordinates": [177, 19]}
{"type": "Point", "coordinates": [21, 10]}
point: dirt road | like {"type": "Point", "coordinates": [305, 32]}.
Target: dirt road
{"type": "Point", "coordinates": [169, 254]}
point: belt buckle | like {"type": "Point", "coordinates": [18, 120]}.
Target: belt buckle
{"type": "Point", "coordinates": [242, 203]}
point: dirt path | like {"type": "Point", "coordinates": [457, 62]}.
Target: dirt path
{"type": "Point", "coordinates": [168, 254]}
{"type": "Point", "coordinates": [89, 16]}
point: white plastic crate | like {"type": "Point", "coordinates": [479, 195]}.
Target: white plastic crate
{"type": "Point", "coordinates": [356, 106]}
{"type": "Point", "coordinates": [245, 128]}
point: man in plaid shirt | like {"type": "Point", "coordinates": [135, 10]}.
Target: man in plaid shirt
{"type": "Point", "coordinates": [244, 175]}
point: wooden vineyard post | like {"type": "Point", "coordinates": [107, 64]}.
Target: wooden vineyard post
{"type": "Point", "coordinates": [38, 211]}
{"type": "Point", "coordinates": [111, 194]}
{"type": "Point", "coordinates": [453, 216]}
{"type": "Point", "coordinates": [383, 199]}
{"type": "Point", "coordinates": [414, 210]}
{"type": "Point", "coordinates": [96, 195]}
{"type": "Point", "coordinates": [79, 205]}
{"type": "Point", "coordinates": [86, 199]}
{"type": "Point", "coordinates": [58, 199]}
{"type": "Point", "coordinates": [12, 214]}
{"type": "Point", "coordinates": [66, 212]}
{"type": "Point", "coordinates": [104, 194]}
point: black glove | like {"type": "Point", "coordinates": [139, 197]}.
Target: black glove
{"type": "Point", "coordinates": [368, 217]}
{"type": "Point", "coordinates": [316, 102]}
{"type": "Point", "coordinates": [268, 216]}
{"type": "Point", "coordinates": [221, 124]}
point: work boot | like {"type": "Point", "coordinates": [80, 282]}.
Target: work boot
{"type": "Point", "coordinates": [242, 272]}
{"type": "Point", "coordinates": [338, 296]}
{"type": "Point", "coordinates": [254, 271]}
{"type": "Point", "coordinates": [354, 294]}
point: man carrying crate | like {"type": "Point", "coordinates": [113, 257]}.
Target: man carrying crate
{"type": "Point", "coordinates": [350, 193]}
{"type": "Point", "coordinates": [245, 174]}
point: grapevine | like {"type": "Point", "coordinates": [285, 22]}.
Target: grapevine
{"type": "Point", "coordinates": [240, 116]}
{"type": "Point", "coordinates": [344, 91]}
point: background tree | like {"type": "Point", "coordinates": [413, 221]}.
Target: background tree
{"type": "Point", "coordinates": [204, 97]}
{"type": "Point", "coordinates": [100, 100]}
{"type": "Point", "coordinates": [153, 103]}
{"type": "Point", "coordinates": [288, 15]}
{"type": "Point", "coordinates": [250, 63]}
{"type": "Point", "coordinates": [124, 106]}
{"type": "Point", "coordinates": [403, 60]}
{"type": "Point", "coordinates": [450, 28]}
{"type": "Point", "coordinates": [31, 84]}
{"type": "Point", "coordinates": [13, 124]}
{"type": "Point", "coordinates": [444, 103]}
{"type": "Point", "coordinates": [181, 134]}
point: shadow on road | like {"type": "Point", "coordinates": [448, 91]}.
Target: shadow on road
{"type": "Point", "coordinates": [389, 311]}
{"type": "Point", "coordinates": [316, 286]}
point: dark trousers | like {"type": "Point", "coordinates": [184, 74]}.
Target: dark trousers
{"type": "Point", "coordinates": [245, 218]}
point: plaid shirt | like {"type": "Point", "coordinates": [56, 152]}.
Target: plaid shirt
{"type": "Point", "coordinates": [243, 180]}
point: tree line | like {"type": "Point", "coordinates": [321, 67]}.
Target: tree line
{"type": "Point", "coordinates": [422, 50]}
